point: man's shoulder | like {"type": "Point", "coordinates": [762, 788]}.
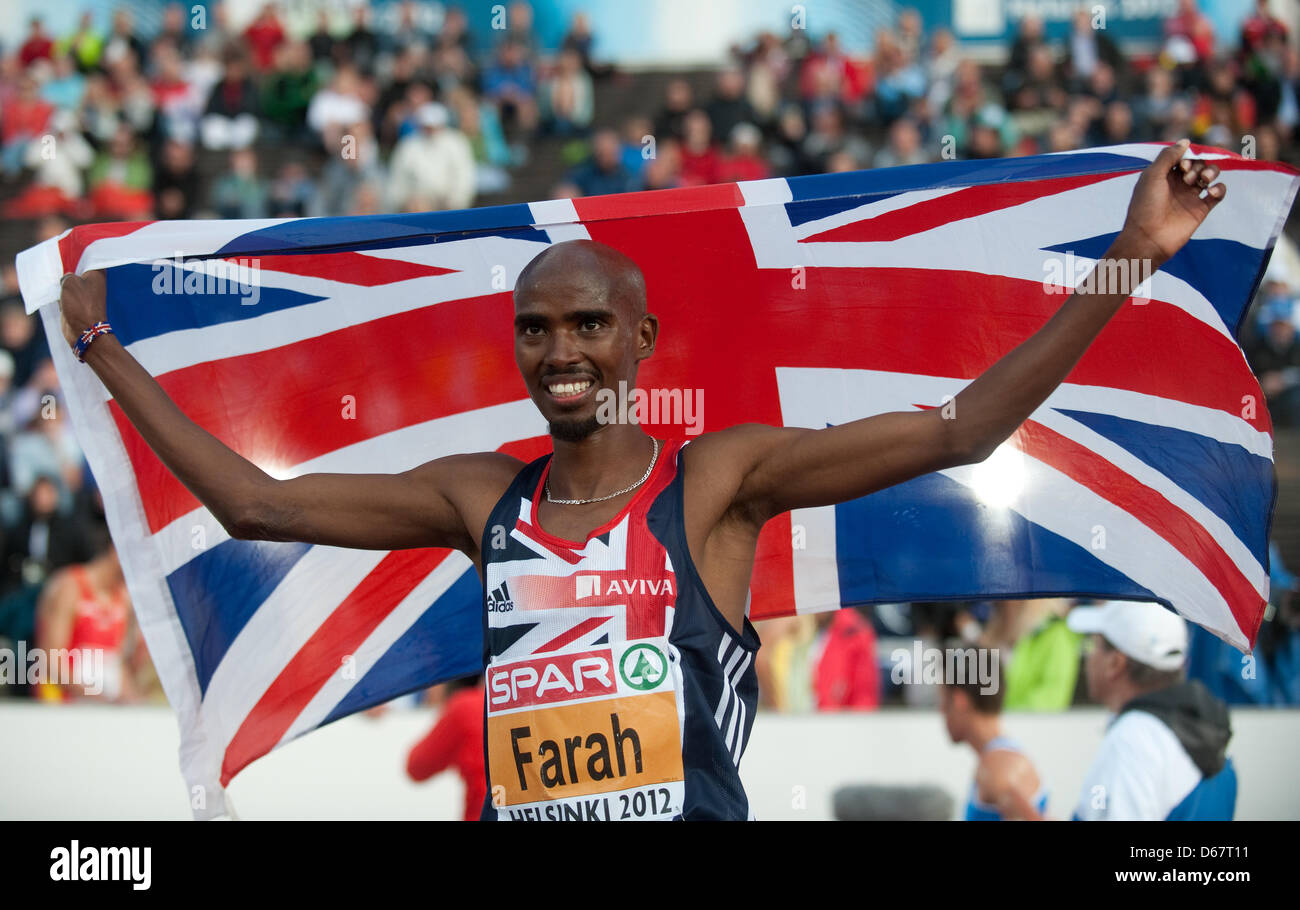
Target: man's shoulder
{"type": "Point", "coordinates": [733, 442]}
{"type": "Point", "coordinates": [476, 474]}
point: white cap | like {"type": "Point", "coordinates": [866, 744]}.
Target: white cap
{"type": "Point", "coordinates": [1145, 631]}
{"type": "Point", "coordinates": [431, 114]}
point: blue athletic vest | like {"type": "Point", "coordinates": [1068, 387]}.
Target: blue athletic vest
{"type": "Point", "coordinates": [978, 811]}
{"type": "Point", "coordinates": [615, 688]}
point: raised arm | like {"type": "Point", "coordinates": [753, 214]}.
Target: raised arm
{"type": "Point", "coordinates": [424, 507]}
{"type": "Point", "coordinates": [788, 468]}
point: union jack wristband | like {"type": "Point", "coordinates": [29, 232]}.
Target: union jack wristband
{"type": "Point", "coordinates": [99, 328]}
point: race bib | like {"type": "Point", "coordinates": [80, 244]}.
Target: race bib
{"type": "Point", "coordinates": [586, 735]}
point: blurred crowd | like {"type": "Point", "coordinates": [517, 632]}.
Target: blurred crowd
{"type": "Point", "coordinates": [416, 108]}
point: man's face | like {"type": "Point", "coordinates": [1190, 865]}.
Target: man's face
{"type": "Point", "coordinates": [1102, 666]}
{"type": "Point", "coordinates": [954, 708]}
{"type": "Point", "coordinates": [572, 341]}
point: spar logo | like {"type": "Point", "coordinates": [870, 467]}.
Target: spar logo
{"type": "Point", "coordinates": [643, 667]}
{"type": "Point", "coordinates": [545, 680]}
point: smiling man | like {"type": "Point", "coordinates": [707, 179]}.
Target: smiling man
{"type": "Point", "coordinates": [618, 651]}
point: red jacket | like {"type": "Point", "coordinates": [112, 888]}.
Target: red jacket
{"type": "Point", "coordinates": [846, 675]}
{"type": "Point", "coordinates": [456, 741]}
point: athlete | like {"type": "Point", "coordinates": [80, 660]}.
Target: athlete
{"type": "Point", "coordinates": [619, 664]}
{"type": "Point", "coordinates": [1007, 786]}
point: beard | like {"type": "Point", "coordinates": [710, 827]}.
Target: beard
{"type": "Point", "coordinates": [575, 429]}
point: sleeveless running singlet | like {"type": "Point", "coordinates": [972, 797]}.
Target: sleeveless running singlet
{"type": "Point", "coordinates": [615, 688]}
{"type": "Point", "coordinates": [978, 811]}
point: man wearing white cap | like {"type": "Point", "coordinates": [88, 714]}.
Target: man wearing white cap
{"type": "Point", "coordinates": [1164, 755]}
{"type": "Point", "coordinates": [433, 168]}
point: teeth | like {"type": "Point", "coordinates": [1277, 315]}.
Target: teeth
{"type": "Point", "coordinates": [570, 388]}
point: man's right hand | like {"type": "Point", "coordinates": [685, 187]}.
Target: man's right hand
{"type": "Point", "coordinates": [82, 303]}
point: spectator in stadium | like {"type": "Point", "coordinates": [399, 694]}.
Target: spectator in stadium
{"type": "Point", "coordinates": [176, 181]}
{"type": "Point", "coordinates": [729, 106]}
{"type": "Point", "coordinates": [639, 144]}
{"type": "Point", "coordinates": [1086, 47]}
{"type": "Point", "coordinates": [336, 107]}
{"type": "Point", "coordinates": [46, 445]}
{"type": "Point", "coordinates": [230, 119]}
{"type": "Point", "coordinates": [85, 45]}
{"type": "Point", "coordinates": [65, 87]}
{"type": "Point", "coordinates": [407, 31]}
{"type": "Point", "coordinates": [361, 47]}
{"type": "Point", "coordinates": [903, 146]}
{"type": "Point", "coordinates": [580, 39]}
{"type": "Point", "coordinates": [289, 91]}
{"type": "Point", "coordinates": [1007, 786]}
{"type": "Point", "coordinates": [44, 537]}
{"type": "Point", "coordinates": [122, 41]}
{"type": "Point", "coordinates": [786, 152]}
{"type": "Point", "coordinates": [292, 193]}
{"type": "Point", "coordinates": [1034, 104]}
{"type": "Point", "coordinates": [940, 65]}
{"type": "Point", "coordinates": [175, 29]}
{"type": "Point", "coordinates": [351, 183]}
{"type": "Point", "coordinates": [699, 154]}
{"type": "Point", "coordinates": [322, 40]}
{"type": "Point", "coordinates": [121, 179]}
{"type": "Point", "coordinates": [264, 36]}
{"type": "Point", "coordinates": [20, 336]}
{"type": "Point", "coordinates": [240, 192]}
{"type": "Point", "coordinates": [478, 121]}
{"type": "Point", "coordinates": [23, 119]}
{"type": "Point", "coordinates": [456, 743]}
{"type": "Point", "coordinates": [38, 45]}
{"type": "Point", "coordinates": [1275, 357]}
{"type": "Point", "coordinates": [177, 100]}
{"type": "Point", "coordinates": [664, 170]}
{"type": "Point", "coordinates": [769, 67]}
{"type": "Point", "coordinates": [744, 158]}
{"type": "Point", "coordinates": [603, 172]}
{"type": "Point", "coordinates": [829, 136]}
{"type": "Point", "coordinates": [845, 673]}
{"type": "Point", "coordinates": [1042, 667]}
{"type": "Point", "coordinates": [1164, 755]}
{"type": "Point", "coordinates": [829, 74]}
{"type": "Point", "coordinates": [1029, 36]}
{"type": "Point", "coordinates": [519, 29]}
{"type": "Point", "coordinates": [433, 168]}
{"type": "Point", "coordinates": [899, 80]}
{"type": "Point", "coordinates": [57, 164]}
{"type": "Point", "coordinates": [455, 32]}
{"type": "Point", "coordinates": [1189, 34]}
{"type": "Point", "coordinates": [566, 97]}
{"type": "Point", "coordinates": [510, 82]}
{"type": "Point", "coordinates": [679, 100]}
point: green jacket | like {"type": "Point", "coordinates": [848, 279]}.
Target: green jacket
{"type": "Point", "coordinates": [1043, 669]}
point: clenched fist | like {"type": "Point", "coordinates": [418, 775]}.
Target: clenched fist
{"type": "Point", "coordinates": [82, 303]}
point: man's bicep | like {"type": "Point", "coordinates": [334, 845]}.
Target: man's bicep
{"type": "Point", "coordinates": [803, 468]}
{"type": "Point", "coordinates": [423, 507]}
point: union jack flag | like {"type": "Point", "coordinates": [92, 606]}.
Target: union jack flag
{"type": "Point", "coordinates": [378, 343]}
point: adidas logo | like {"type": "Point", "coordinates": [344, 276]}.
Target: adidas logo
{"type": "Point", "coordinates": [499, 600]}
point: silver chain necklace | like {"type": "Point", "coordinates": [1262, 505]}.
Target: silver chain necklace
{"type": "Point", "coordinates": [583, 502]}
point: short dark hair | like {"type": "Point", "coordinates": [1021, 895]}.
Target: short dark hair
{"type": "Point", "coordinates": [983, 702]}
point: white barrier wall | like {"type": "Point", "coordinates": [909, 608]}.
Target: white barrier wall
{"type": "Point", "coordinates": [103, 762]}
